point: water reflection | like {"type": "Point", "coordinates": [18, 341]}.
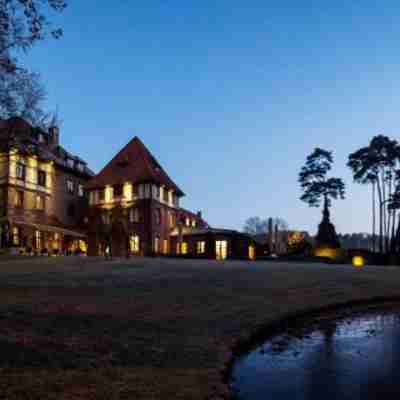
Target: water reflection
{"type": "Point", "coordinates": [346, 359]}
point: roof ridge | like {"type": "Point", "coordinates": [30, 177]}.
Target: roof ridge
{"type": "Point", "coordinates": [142, 166]}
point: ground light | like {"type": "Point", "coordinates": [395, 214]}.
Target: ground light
{"type": "Point", "coordinates": [358, 261]}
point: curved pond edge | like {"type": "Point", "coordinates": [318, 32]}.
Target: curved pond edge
{"type": "Point", "coordinates": [263, 332]}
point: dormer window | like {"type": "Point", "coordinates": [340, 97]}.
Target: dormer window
{"type": "Point", "coordinates": [70, 186]}
{"type": "Point", "coordinates": [70, 162]}
{"type": "Point", "coordinates": [81, 191]}
{"type": "Point", "coordinates": [80, 167]}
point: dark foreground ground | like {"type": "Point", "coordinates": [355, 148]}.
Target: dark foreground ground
{"type": "Point", "coordinates": [82, 328]}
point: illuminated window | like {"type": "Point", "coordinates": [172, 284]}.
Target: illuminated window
{"type": "Point", "coordinates": [83, 246]}
{"type": "Point", "coordinates": [70, 186]}
{"type": "Point", "coordinates": [165, 194]}
{"type": "Point", "coordinates": [221, 249]}
{"type": "Point", "coordinates": [134, 215]}
{"type": "Point", "coordinates": [109, 193]}
{"type": "Point", "coordinates": [157, 244]}
{"type": "Point", "coordinates": [38, 239]}
{"type": "Point", "coordinates": [20, 171]}
{"type": "Point", "coordinates": [172, 220]}
{"type": "Point", "coordinates": [56, 242]}
{"type": "Point", "coordinates": [187, 221]}
{"type": "Point", "coordinates": [81, 191]}
{"type": "Point", "coordinates": [134, 244]}
{"type": "Point", "coordinates": [15, 236]}
{"type": "Point", "coordinates": [184, 248]}
{"type": "Point", "coordinates": [42, 178]}
{"type": "Point", "coordinates": [19, 198]}
{"type": "Point", "coordinates": [194, 224]}
{"type": "Point", "coordinates": [165, 246]}
{"type": "Point", "coordinates": [39, 202]}
{"type": "Point", "coordinates": [201, 247]}
{"type": "Point", "coordinates": [252, 252]}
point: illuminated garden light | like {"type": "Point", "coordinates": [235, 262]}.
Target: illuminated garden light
{"type": "Point", "coordinates": [358, 261]}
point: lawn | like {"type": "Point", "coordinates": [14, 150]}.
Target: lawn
{"type": "Point", "coordinates": [84, 328]}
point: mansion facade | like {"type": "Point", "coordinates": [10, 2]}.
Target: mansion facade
{"type": "Point", "coordinates": [52, 203]}
{"type": "Point", "coordinates": [42, 191]}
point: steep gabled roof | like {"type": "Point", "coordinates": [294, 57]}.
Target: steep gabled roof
{"type": "Point", "coordinates": [15, 124]}
{"type": "Point", "coordinates": [134, 163]}
{"type": "Point", "coordinates": [16, 132]}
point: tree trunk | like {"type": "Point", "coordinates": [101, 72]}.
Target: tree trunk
{"type": "Point", "coordinates": [392, 238]}
{"type": "Point", "coordinates": [384, 210]}
{"type": "Point", "coordinates": [380, 216]}
{"type": "Point", "coordinates": [397, 237]}
{"type": "Point", "coordinates": [373, 219]}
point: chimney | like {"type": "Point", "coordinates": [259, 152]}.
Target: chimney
{"type": "Point", "coordinates": [54, 132]}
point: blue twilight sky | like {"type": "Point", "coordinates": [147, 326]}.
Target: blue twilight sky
{"type": "Point", "coordinates": [229, 95]}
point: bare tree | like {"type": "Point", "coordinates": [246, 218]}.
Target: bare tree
{"type": "Point", "coordinates": [255, 226]}
{"type": "Point", "coordinates": [22, 24]}
{"type": "Point", "coordinates": [21, 94]}
{"type": "Point", "coordinates": [258, 226]}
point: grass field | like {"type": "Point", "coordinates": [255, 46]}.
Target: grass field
{"type": "Point", "coordinates": [84, 328]}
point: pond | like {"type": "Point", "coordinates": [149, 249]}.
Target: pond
{"type": "Point", "coordinates": [347, 354]}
